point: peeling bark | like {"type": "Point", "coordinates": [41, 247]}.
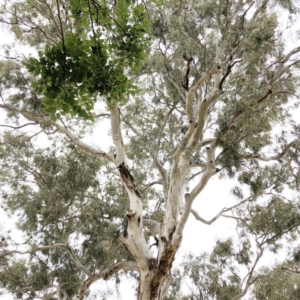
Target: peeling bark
{"type": "Point", "coordinates": [128, 179]}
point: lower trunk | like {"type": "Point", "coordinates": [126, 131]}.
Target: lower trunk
{"type": "Point", "coordinates": [154, 283]}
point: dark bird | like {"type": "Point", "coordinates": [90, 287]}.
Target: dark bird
{"type": "Point", "coordinates": [128, 179]}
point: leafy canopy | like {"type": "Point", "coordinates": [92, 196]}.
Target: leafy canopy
{"type": "Point", "coordinates": [94, 59]}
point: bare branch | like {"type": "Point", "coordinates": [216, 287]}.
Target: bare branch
{"type": "Point", "coordinates": [208, 173]}
{"type": "Point", "coordinates": [281, 63]}
{"type": "Point", "coordinates": [220, 214]}
{"type": "Point", "coordinates": [204, 78]}
{"type": "Point", "coordinates": [163, 127]}
{"type": "Point", "coordinates": [181, 224]}
{"type": "Point", "coordinates": [208, 222]}
{"type": "Point", "coordinates": [189, 198]}
{"type": "Point", "coordinates": [101, 115]}
{"type": "Point", "coordinates": [34, 249]}
{"type": "Point", "coordinates": [18, 127]}
{"type": "Point", "coordinates": [105, 274]}
{"type": "Point", "coordinates": [155, 226]}
{"type": "Point", "coordinates": [203, 107]}
{"type": "Point", "coordinates": [117, 135]}
{"type": "Point", "coordinates": [169, 76]}
{"type": "Point", "coordinates": [249, 281]}
{"type": "Point", "coordinates": [52, 16]}
{"type": "Point", "coordinates": [134, 239]}
{"type": "Point", "coordinates": [233, 217]}
{"type": "Point", "coordinates": [77, 262]}
{"type": "Point", "coordinates": [148, 185]}
{"type": "Point", "coordinates": [275, 157]}
{"type": "Point", "coordinates": [185, 84]}
{"type": "Point", "coordinates": [67, 132]}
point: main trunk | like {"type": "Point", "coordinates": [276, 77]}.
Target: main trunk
{"type": "Point", "coordinates": [154, 283]}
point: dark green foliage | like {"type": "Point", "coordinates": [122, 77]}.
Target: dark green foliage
{"type": "Point", "coordinates": [76, 71]}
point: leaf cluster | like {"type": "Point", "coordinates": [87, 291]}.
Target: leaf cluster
{"type": "Point", "coordinates": [84, 65]}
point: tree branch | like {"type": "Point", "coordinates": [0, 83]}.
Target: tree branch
{"type": "Point", "coordinates": [220, 214]}
{"type": "Point", "coordinates": [115, 122]}
{"type": "Point", "coordinates": [195, 129]}
{"type": "Point", "coordinates": [210, 171]}
{"type": "Point", "coordinates": [77, 262]}
{"type": "Point", "coordinates": [49, 247]}
{"type": "Point", "coordinates": [157, 163]}
{"type": "Point", "coordinates": [281, 63]}
{"type": "Point", "coordinates": [249, 282]}
{"type": "Point", "coordinates": [134, 239]}
{"type": "Point", "coordinates": [105, 274]}
{"type": "Point", "coordinates": [18, 127]}
{"type": "Point", "coordinates": [275, 157]}
{"type": "Point", "coordinates": [33, 250]}
{"type": "Point", "coordinates": [155, 226]}
{"type": "Point", "coordinates": [209, 222]}
{"type": "Point", "coordinates": [202, 111]}
{"type": "Point", "coordinates": [204, 78]}
{"type": "Point", "coordinates": [67, 132]}
{"type": "Point", "coordinates": [169, 76]}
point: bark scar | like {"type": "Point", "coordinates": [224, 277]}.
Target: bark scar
{"type": "Point", "coordinates": [171, 233]}
{"type": "Point", "coordinates": [185, 84]}
{"type": "Point", "coordinates": [127, 179]}
{"type": "Point", "coordinates": [152, 263]}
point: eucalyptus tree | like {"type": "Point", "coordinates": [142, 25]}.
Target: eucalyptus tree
{"type": "Point", "coordinates": [197, 87]}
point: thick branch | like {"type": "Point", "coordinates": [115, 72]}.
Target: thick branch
{"type": "Point", "coordinates": [188, 66]}
{"type": "Point", "coordinates": [105, 274]}
{"type": "Point", "coordinates": [202, 112]}
{"type": "Point", "coordinates": [202, 109]}
{"type": "Point", "coordinates": [154, 225]}
{"type": "Point", "coordinates": [184, 217]}
{"type": "Point", "coordinates": [278, 71]}
{"type": "Point", "coordinates": [133, 240]}
{"type": "Point", "coordinates": [189, 198]}
{"type": "Point", "coordinates": [117, 135]}
{"type": "Point", "coordinates": [204, 78]}
{"type": "Point", "coordinates": [67, 132]}
{"type": "Point", "coordinates": [77, 262]}
{"type": "Point", "coordinates": [210, 171]}
{"type": "Point", "coordinates": [220, 214]}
